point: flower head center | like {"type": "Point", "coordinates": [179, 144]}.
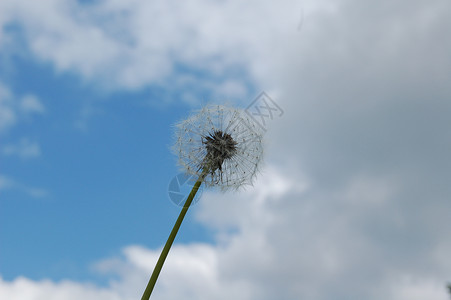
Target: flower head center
{"type": "Point", "coordinates": [220, 146]}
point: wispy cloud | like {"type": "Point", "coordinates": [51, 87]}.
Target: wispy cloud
{"type": "Point", "coordinates": [5, 182]}
{"type": "Point", "coordinates": [87, 112]}
{"type": "Point", "coordinates": [14, 108]}
{"type": "Point", "coordinates": [30, 104]}
{"type": "Point", "coordinates": [7, 113]}
{"type": "Point", "coordinates": [24, 149]}
{"type": "Point", "coordinates": [8, 183]}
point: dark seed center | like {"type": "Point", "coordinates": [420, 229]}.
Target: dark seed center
{"type": "Point", "coordinates": [220, 146]}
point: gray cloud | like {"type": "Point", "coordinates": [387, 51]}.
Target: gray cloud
{"type": "Point", "coordinates": [366, 94]}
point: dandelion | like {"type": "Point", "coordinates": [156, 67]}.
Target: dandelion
{"type": "Point", "coordinates": [221, 141]}
{"type": "Point", "coordinates": [220, 145]}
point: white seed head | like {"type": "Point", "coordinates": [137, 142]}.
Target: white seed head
{"type": "Point", "coordinates": [221, 141]}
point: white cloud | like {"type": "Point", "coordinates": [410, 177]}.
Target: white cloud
{"type": "Point", "coordinates": [133, 44]}
{"type": "Point", "coordinates": [13, 109]}
{"type": "Point", "coordinates": [24, 149]}
{"type": "Point", "coordinates": [31, 104]}
{"type": "Point", "coordinates": [35, 192]}
{"type": "Point", "coordinates": [7, 113]}
{"type": "Point", "coordinates": [8, 183]}
{"type": "Point", "coordinates": [23, 288]}
{"type": "Point", "coordinates": [418, 289]}
{"type": "Point", "coordinates": [5, 182]}
{"type": "Point", "coordinates": [290, 242]}
{"type": "Point", "coordinates": [87, 112]}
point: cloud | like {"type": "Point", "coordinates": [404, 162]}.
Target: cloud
{"type": "Point", "coordinates": [23, 288]}
{"type": "Point", "coordinates": [417, 289]}
{"type": "Point", "coordinates": [31, 104]}
{"type": "Point", "coordinates": [7, 113]}
{"type": "Point", "coordinates": [24, 149]}
{"type": "Point", "coordinates": [135, 44]}
{"type": "Point", "coordinates": [7, 183]}
{"type": "Point", "coordinates": [14, 109]}
{"type": "Point", "coordinates": [288, 242]}
{"type": "Point", "coordinates": [87, 112]}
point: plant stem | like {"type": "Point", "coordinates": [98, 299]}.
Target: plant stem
{"type": "Point", "coordinates": [167, 246]}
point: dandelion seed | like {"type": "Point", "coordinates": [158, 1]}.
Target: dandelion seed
{"type": "Point", "coordinates": [222, 142]}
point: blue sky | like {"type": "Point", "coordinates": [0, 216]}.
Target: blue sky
{"type": "Point", "coordinates": [101, 179]}
{"type": "Point", "coordinates": [353, 198]}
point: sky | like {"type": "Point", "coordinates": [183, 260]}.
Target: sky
{"type": "Point", "coordinates": [353, 199]}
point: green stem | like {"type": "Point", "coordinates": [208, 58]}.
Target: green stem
{"type": "Point", "coordinates": [167, 246]}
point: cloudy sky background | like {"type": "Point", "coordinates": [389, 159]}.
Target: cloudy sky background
{"type": "Point", "coordinates": [353, 201]}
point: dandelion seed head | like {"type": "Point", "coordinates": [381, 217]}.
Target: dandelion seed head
{"type": "Point", "coordinates": [221, 141]}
